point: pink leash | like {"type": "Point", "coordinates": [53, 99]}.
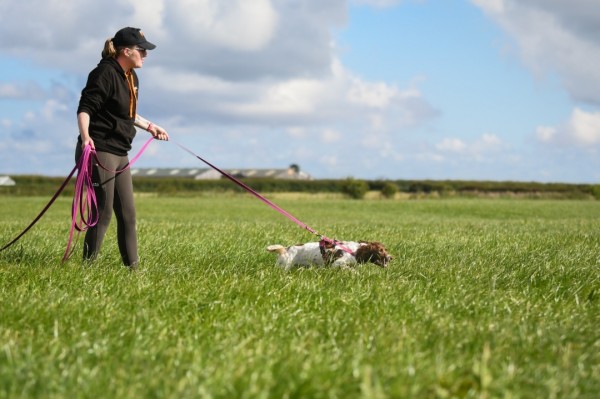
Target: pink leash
{"type": "Point", "coordinates": [291, 217]}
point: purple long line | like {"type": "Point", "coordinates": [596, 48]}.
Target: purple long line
{"type": "Point", "coordinates": [265, 200]}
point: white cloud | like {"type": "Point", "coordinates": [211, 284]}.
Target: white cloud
{"type": "Point", "coordinates": [545, 134]}
{"type": "Point", "coordinates": [237, 25]}
{"type": "Point", "coordinates": [378, 3]}
{"type": "Point", "coordinates": [182, 82]}
{"type": "Point", "coordinates": [330, 136]}
{"type": "Point", "coordinates": [53, 110]}
{"type": "Point", "coordinates": [488, 142]}
{"type": "Point", "coordinates": [479, 148]}
{"type": "Point", "coordinates": [555, 36]}
{"type": "Point", "coordinates": [17, 91]}
{"type": "Point", "coordinates": [148, 10]}
{"type": "Point", "coordinates": [297, 132]}
{"type": "Point", "coordinates": [582, 130]}
{"type": "Point", "coordinates": [329, 160]}
{"type": "Point", "coordinates": [584, 127]}
{"type": "Point", "coordinates": [371, 94]}
{"type": "Point", "coordinates": [427, 157]}
{"type": "Point", "coordinates": [292, 97]}
{"type": "Point", "coordinates": [451, 145]}
{"type": "Point", "coordinates": [6, 123]}
{"type": "Point", "coordinates": [338, 96]}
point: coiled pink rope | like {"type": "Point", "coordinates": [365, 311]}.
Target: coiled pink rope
{"type": "Point", "coordinates": [81, 214]}
{"type": "Point", "coordinates": [84, 212]}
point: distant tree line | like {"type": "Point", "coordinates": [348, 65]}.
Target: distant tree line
{"type": "Point", "coordinates": [353, 188]}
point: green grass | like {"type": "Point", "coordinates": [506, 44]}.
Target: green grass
{"type": "Point", "coordinates": [485, 298]}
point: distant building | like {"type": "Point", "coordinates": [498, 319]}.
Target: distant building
{"type": "Point", "coordinates": [6, 181]}
{"type": "Point", "coordinates": [293, 172]}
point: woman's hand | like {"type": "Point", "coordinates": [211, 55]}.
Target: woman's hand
{"type": "Point", "coordinates": [158, 132]}
{"type": "Point", "coordinates": [87, 140]}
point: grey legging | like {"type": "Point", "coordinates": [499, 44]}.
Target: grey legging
{"type": "Point", "coordinates": [112, 191]}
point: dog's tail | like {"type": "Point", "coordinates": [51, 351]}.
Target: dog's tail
{"type": "Point", "coordinates": [280, 249]}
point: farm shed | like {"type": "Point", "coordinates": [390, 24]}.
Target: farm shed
{"type": "Point", "coordinates": [6, 181]}
{"type": "Point", "coordinates": [293, 172]}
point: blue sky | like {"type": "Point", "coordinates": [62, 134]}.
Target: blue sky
{"type": "Point", "coordinates": [430, 89]}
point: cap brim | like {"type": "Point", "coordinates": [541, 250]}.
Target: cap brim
{"type": "Point", "coordinates": [147, 45]}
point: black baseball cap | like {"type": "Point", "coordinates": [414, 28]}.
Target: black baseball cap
{"type": "Point", "coordinates": [130, 37]}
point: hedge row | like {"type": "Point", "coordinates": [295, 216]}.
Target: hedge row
{"type": "Point", "coordinates": [353, 187]}
{"type": "Point", "coordinates": [41, 185]}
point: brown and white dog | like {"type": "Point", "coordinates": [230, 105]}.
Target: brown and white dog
{"type": "Point", "coordinates": [331, 253]}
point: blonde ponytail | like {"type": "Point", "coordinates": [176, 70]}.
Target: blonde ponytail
{"type": "Point", "coordinates": [109, 49]}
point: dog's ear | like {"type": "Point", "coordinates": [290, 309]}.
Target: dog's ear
{"type": "Point", "coordinates": [280, 249]}
{"type": "Point", "coordinates": [364, 253]}
{"type": "Point", "coordinates": [372, 251]}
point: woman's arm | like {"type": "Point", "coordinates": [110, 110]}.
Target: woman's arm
{"type": "Point", "coordinates": [83, 122]}
{"type": "Point", "coordinates": [156, 131]}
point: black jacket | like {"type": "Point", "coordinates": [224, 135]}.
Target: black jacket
{"type": "Point", "coordinates": [111, 105]}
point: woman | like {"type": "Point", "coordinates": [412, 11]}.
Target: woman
{"type": "Point", "coordinates": [107, 118]}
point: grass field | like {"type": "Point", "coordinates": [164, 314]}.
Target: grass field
{"type": "Point", "coordinates": [485, 298]}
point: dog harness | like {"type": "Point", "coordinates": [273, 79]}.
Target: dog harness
{"type": "Point", "coordinates": [328, 250]}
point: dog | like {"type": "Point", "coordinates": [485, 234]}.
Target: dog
{"type": "Point", "coordinates": [331, 253]}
